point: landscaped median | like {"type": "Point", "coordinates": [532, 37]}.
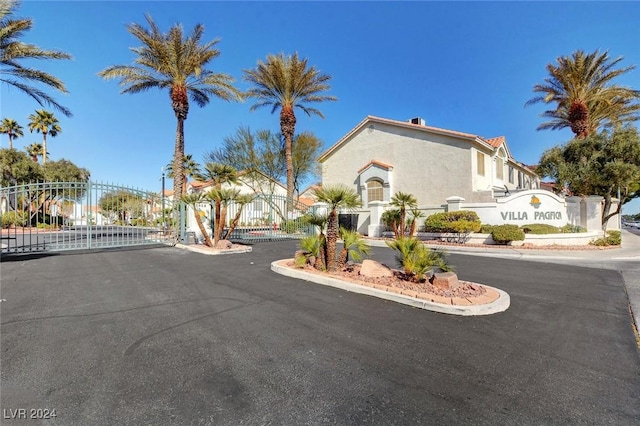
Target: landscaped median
{"type": "Point", "coordinates": [491, 301]}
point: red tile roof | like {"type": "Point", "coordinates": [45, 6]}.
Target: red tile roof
{"type": "Point", "coordinates": [496, 142]}
{"type": "Point", "coordinates": [376, 163]}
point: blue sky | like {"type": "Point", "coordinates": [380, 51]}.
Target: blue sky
{"type": "Point", "coordinates": [466, 66]}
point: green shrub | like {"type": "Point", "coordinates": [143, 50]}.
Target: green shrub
{"type": "Point", "coordinates": [293, 226]}
{"type": "Point", "coordinates": [14, 218]}
{"type": "Point", "coordinates": [503, 234]}
{"type": "Point", "coordinates": [462, 221]}
{"type": "Point", "coordinates": [487, 229]}
{"type": "Point", "coordinates": [540, 229]}
{"type": "Point", "coordinates": [572, 229]}
{"type": "Point", "coordinates": [613, 238]}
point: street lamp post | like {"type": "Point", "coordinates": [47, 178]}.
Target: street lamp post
{"type": "Point", "coordinates": [164, 223]}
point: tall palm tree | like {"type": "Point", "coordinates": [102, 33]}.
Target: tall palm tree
{"type": "Point", "coordinates": [581, 87]}
{"type": "Point", "coordinates": [12, 129]}
{"type": "Point", "coordinates": [46, 123]}
{"type": "Point", "coordinates": [12, 51]}
{"type": "Point", "coordinates": [176, 62]}
{"type": "Point", "coordinates": [190, 168]}
{"type": "Point", "coordinates": [338, 197]}
{"type": "Point", "coordinates": [287, 82]}
{"type": "Point", "coordinates": [34, 151]}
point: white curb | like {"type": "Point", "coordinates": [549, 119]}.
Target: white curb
{"type": "Point", "coordinates": [501, 304]}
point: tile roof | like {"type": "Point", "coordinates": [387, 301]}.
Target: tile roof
{"type": "Point", "coordinates": [376, 163]}
{"type": "Point", "coordinates": [496, 142]}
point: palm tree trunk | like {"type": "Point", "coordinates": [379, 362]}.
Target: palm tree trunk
{"type": "Point", "coordinates": [179, 188]}
{"type": "Point", "coordinates": [205, 234]}
{"type": "Point", "coordinates": [10, 140]}
{"type": "Point", "coordinates": [288, 127]}
{"type": "Point", "coordinates": [217, 226]}
{"type": "Point", "coordinates": [332, 239]}
{"type": "Point", "coordinates": [44, 148]}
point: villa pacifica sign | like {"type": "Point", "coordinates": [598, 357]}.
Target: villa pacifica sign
{"type": "Point", "coordinates": [531, 207]}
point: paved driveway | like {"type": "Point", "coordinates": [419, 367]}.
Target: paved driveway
{"type": "Point", "coordinates": [164, 336]}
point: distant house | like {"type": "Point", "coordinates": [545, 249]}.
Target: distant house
{"type": "Point", "coordinates": [267, 206]}
{"type": "Point", "coordinates": [380, 157]}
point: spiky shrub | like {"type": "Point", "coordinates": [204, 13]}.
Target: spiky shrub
{"type": "Point", "coordinates": [503, 234]}
{"type": "Point", "coordinates": [311, 247]}
{"type": "Point", "coordinates": [353, 246]}
{"type": "Point", "coordinates": [416, 259]}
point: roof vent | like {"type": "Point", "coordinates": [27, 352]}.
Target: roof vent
{"type": "Point", "coordinates": [418, 120]}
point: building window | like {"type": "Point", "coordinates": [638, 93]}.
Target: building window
{"type": "Point", "coordinates": [480, 161]}
{"type": "Point", "coordinates": [499, 168]}
{"type": "Point", "coordinates": [374, 191]}
{"type": "Point", "coordinates": [511, 174]}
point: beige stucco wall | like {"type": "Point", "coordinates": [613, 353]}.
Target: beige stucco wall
{"type": "Point", "coordinates": [432, 167]}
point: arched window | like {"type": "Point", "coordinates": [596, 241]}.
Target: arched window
{"type": "Point", "coordinates": [374, 190]}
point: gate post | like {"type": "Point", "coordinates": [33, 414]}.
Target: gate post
{"type": "Point", "coordinates": [89, 209]}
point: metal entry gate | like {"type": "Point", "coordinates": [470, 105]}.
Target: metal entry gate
{"type": "Point", "coordinates": [263, 217]}
{"type": "Point", "coordinates": [56, 216]}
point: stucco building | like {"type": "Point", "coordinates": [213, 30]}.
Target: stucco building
{"type": "Point", "coordinates": [380, 157]}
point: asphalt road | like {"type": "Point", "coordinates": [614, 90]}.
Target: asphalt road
{"type": "Point", "coordinates": [164, 336]}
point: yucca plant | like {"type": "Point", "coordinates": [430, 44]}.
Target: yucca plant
{"type": "Point", "coordinates": [353, 246]}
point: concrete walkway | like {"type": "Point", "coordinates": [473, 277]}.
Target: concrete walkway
{"type": "Point", "coordinates": [625, 259]}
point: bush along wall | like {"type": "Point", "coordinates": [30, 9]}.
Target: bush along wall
{"type": "Point", "coordinates": [460, 223]}
{"type": "Point", "coordinates": [504, 234]}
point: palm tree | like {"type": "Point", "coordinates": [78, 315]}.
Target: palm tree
{"type": "Point", "coordinates": [192, 200]}
{"type": "Point", "coordinates": [190, 168]}
{"type": "Point", "coordinates": [221, 198]}
{"type": "Point", "coordinates": [46, 123]}
{"type": "Point", "coordinates": [12, 51]}
{"type": "Point", "coordinates": [35, 150]}
{"type": "Point", "coordinates": [403, 202]}
{"type": "Point", "coordinates": [581, 87]}
{"type": "Point", "coordinates": [178, 63]}
{"type": "Point", "coordinates": [286, 82]}
{"type": "Point", "coordinates": [353, 246]}
{"type": "Point", "coordinates": [241, 200]}
{"type": "Point", "coordinates": [218, 174]}
{"type": "Point", "coordinates": [12, 129]}
{"type": "Point", "coordinates": [320, 221]}
{"type": "Point", "coordinates": [338, 197]}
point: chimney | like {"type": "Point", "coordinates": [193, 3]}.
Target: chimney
{"type": "Point", "coordinates": [418, 120]}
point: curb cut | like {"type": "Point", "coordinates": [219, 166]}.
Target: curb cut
{"type": "Point", "coordinates": [501, 304]}
{"type": "Point", "coordinates": [211, 252]}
